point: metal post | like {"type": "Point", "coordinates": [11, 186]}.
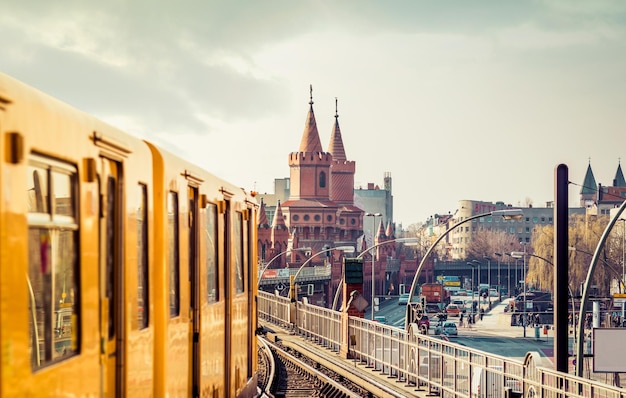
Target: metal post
{"type": "Point", "coordinates": [561, 282]}
{"type": "Point", "coordinates": [374, 215]}
{"type": "Point", "coordinates": [509, 278]}
{"type": "Point", "coordinates": [524, 271]}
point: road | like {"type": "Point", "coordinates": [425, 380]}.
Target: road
{"type": "Point", "coordinates": [493, 333]}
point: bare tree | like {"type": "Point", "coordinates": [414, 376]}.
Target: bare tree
{"type": "Point", "coordinates": [486, 243]}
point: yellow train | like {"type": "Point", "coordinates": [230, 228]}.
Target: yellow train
{"type": "Point", "coordinates": [125, 271]}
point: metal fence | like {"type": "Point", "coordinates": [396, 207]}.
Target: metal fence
{"type": "Point", "coordinates": [429, 363]}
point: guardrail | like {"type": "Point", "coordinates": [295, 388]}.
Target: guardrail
{"type": "Point", "coordinates": [275, 275]}
{"type": "Point", "coordinates": [430, 363]}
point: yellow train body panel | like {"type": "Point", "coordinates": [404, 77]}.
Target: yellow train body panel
{"type": "Point", "coordinates": [124, 270]}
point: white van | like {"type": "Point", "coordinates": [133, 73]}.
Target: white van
{"type": "Point", "coordinates": [491, 383]}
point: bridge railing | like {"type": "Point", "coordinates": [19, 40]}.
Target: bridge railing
{"type": "Point", "coordinates": [429, 362]}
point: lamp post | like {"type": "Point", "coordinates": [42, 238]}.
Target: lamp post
{"type": "Point", "coordinates": [398, 240]}
{"type": "Point", "coordinates": [507, 214]}
{"type": "Point", "coordinates": [522, 255]}
{"type": "Point", "coordinates": [472, 311]}
{"type": "Point", "coordinates": [499, 280]}
{"type": "Point", "coordinates": [488, 278]}
{"type": "Point", "coordinates": [300, 249]}
{"type": "Point", "coordinates": [373, 215]}
{"type": "Point", "coordinates": [292, 282]}
{"type": "Point", "coordinates": [623, 251]}
{"type": "Point", "coordinates": [479, 279]}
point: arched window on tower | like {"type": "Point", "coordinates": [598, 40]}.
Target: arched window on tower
{"type": "Point", "coordinates": [322, 180]}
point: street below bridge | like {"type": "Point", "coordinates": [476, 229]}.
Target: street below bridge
{"type": "Point", "coordinates": [493, 334]}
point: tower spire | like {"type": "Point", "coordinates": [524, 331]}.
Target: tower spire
{"type": "Point", "coordinates": [310, 138]}
{"type": "Point", "coordinates": [336, 143]}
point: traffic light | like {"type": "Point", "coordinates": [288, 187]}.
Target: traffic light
{"type": "Point", "coordinates": [423, 302]}
{"type": "Point", "coordinates": [310, 289]}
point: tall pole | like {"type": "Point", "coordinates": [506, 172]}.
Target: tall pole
{"type": "Point", "coordinates": [524, 271]}
{"type": "Point", "coordinates": [373, 215]}
{"type": "Point", "coordinates": [623, 251]}
{"type": "Point", "coordinates": [561, 282]}
{"type": "Point", "coordinates": [489, 279]}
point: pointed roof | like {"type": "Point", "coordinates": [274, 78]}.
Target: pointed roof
{"type": "Point", "coordinates": [390, 232]}
{"type": "Point", "coordinates": [263, 221]}
{"type": "Point", "coordinates": [310, 138]}
{"type": "Point", "coordinates": [381, 230]}
{"type": "Point", "coordinates": [336, 143]}
{"type": "Point", "coordinates": [589, 184]}
{"type": "Point", "coordinates": [619, 177]}
{"type": "Point", "coordinates": [279, 219]}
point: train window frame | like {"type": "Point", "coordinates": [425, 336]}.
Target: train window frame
{"type": "Point", "coordinates": [53, 253]}
{"type": "Point", "coordinates": [211, 258]}
{"type": "Point", "coordinates": [143, 269]}
{"type": "Point", "coordinates": [173, 224]}
{"type": "Point", "coordinates": [238, 260]}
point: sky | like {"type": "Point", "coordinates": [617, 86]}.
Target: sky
{"type": "Point", "coordinates": [457, 100]}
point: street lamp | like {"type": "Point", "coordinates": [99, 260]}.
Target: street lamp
{"type": "Point", "coordinates": [507, 214]}
{"type": "Point", "coordinates": [522, 255]}
{"type": "Point", "coordinates": [472, 311]}
{"type": "Point", "coordinates": [300, 249]}
{"type": "Point", "coordinates": [488, 278]}
{"type": "Point", "coordinates": [398, 240]}
{"type": "Point", "coordinates": [479, 280]}
{"type": "Point", "coordinates": [623, 251]}
{"type": "Point", "coordinates": [499, 280]}
{"type": "Point", "coordinates": [292, 282]}
{"type": "Point", "coordinates": [515, 276]}
{"type": "Point", "coordinates": [374, 215]}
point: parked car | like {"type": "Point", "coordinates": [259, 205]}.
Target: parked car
{"type": "Point", "coordinates": [448, 328]}
{"type": "Point", "coordinates": [460, 303]}
{"type": "Point", "coordinates": [424, 323]}
{"type": "Point", "coordinates": [404, 299]}
{"type": "Point", "coordinates": [453, 310]}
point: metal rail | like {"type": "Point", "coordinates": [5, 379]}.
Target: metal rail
{"type": "Point", "coordinates": [427, 362]}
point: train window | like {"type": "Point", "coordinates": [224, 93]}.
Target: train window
{"type": "Point", "coordinates": [173, 253]}
{"type": "Point", "coordinates": [38, 192]}
{"type": "Point", "coordinates": [142, 258]}
{"type": "Point", "coordinates": [53, 277]}
{"type": "Point", "coordinates": [238, 247]}
{"type": "Point", "coordinates": [61, 198]}
{"type": "Point", "coordinates": [211, 253]}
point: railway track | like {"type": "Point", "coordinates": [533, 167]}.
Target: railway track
{"type": "Point", "coordinates": [284, 372]}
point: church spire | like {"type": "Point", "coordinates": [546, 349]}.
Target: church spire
{"type": "Point", "coordinates": [310, 138]}
{"type": "Point", "coordinates": [336, 143]}
{"type": "Point", "coordinates": [263, 221]}
{"type": "Point", "coordinates": [589, 184]}
{"type": "Point", "coordinates": [619, 181]}
{"type": "Point", "coordinates": [279, 219]}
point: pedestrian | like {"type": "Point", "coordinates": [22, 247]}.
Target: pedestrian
{"type": "Point", "coordinates": [461, 320]}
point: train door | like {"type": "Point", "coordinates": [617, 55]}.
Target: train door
{"type": "Point", "coordinates": [228, 295]}
{"type": "Point", "coordinates": [111, 275]}
{"type": "Point", "coordinates": [194, 294]}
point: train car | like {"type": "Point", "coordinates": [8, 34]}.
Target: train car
{"type": "Point", "coordinates": [124, 270]}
